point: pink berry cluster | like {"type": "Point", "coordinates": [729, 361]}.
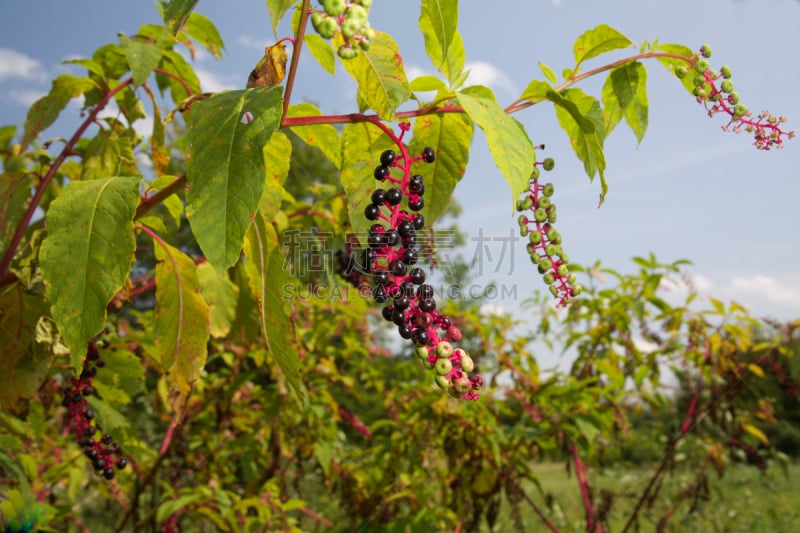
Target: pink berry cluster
{"type": "Point", "coordinates": [103, 451]}
{"type": "Point", "coordinates": [715, 90]}
{"type": "Point", "coordinates": [544, 246]}
{"type": "Point", "coordinates": [388, 265]}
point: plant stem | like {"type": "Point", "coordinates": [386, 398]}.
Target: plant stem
{"type": "Point", "coordinates": [148, 204]}
{"type": "Point", "coordinates": [296, 48]}
{"type": "Point", "coordinates": [51, 172]}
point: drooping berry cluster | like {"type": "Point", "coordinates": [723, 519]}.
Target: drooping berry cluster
{"type": "Point", "coordinates": [348, 17]}
{"type": "Point", "coordinates": [545, 244]}
{"type": "Point", "coordinates": [715, 90]}
{"type": "Point", "coordinates": [389, 265]}
{"type": "Point", "coordinates": [103, 451]}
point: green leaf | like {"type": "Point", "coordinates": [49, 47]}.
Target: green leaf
{"type": "Point", "coordinates": [448, 57]}
{"type": "Point", "coordinates": [671, 63]}
{"type": "Point", "coordinates": [202, 30]}
{"type": "Point", "coordinates": [581, 119]}
{"type": "Point", "coordinates": [277, 9]}
{"type": "Point", "coordinates": [108, 154]}
{"type": "Point", "coordinates": [625, 94]}
{"type": "Point", "coordinates": [47, 108]}
{"type": "Point", "coordinates": [142, 57]}
{"type": "Point", "coordinates": [442, 17]}
{"type": "Point", "coordinates": [176, 13]}
{"type": "Point", "coordinates": [450, 136]}
{"type": "Point", "coordinates": [536, 91]}
{"type": "Point", "coordinates": [427, 83]}
{"type": "Point", "coordinates": [221, 296]}
{"type": "Point", "coordinates": [225, 167]}
{"type": "Point", "coordinates": [175, 63]}
{"type": "Point", "coordinates": [599, 40]}
{"type": "Point", "coordinates": [548, 73]}
{"type": "Point", "coordinates": [22, 369]}
{"type": "Point", "coordinates": [362, 145]}
{"type": "Point", "coordinates": [268, 281]}
{"type": "Point", "coordinates": [323, 136]}
{"type": "Point", "coordinates": [110, 418]}
{"type": "Point", "coordinates": [87, 255]}
{"type": "Point", "coordinates": [124, 382]}
{"type": "Point", "coordinates": [508, 142]}
{"type": "Point", "coordinates": [277, 159]}
{"type": "Point", "coordinates": [181, 328]}
{"type": "Point", "coordinates": [322, 52]}
{"type": "Point", "coordinates": [381, 78]}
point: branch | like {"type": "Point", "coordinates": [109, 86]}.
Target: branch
{"type": "Point", "coordinates": [152, 201]}
{"type": "Point", "coordinates": [296, 48]}
{"type": "Point", "coordinates": [583, 481]}
{"type": "Point", "coordinates": [48, 177]}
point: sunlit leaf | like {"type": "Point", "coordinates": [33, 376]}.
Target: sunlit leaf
{"type": "Point", "coordinates": [277, 9]}
{"type": "Point", "coordinates": [47, 108]}
{"type": "Point", "coordinates": [177, 13]}
{"type": "Point", "coordinates": [221, 296]}
{"type": "Point", "coordinates": [599, 40]}
{"type": "Point", "coordinates": [225, 167]}
{"type": "Point", "coordinates": [90, 235]}
{"type": "Point", "coordinates": [508, 142]}
{"type": "Point", "coordinates": [323, 136]}
{"type": "Point", "coordinates": [142, 57]}
{"type": "Point", "coordinates": [442, 17]}
{"type": "Point", "coordinates": [322, 52]}
{"type": "Point", "coordinates": [447, 57]}
{"type": "Point", "coordinates": [671, 63]}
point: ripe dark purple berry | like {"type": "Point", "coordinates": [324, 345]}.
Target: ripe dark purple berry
{"type": "Point", "coordinates": [398, 317]}
{"type": "Point", "coordinates": [386, 312]}
{"type": "Point", "coordinates": [388, 157]}
{"type": "Point", "coordinates": [404, 331]}
{"type": "Point", "coordinates": [421, 336]}
{"type": "Point", "coordinates": [410, 256]}
{"type": "Point", "coordinates": [122, 463]}
{"type": "Point", "coordinates": [428, 155]}
{"type": "Point", "coordinates": [99, 463]}
{"type": "Point", "coordinates": [375, 239]}
{"type": "Point", "coordinates": [415, 183]}
{"type": "Point", "coordinates": [371, 212]}
{"type": "Point", "coordinates": [398, 267]}
{"type": "Point", "coordinates": [419, 222]}
{"type": "Point", "coordinates": [391, 237]}
{"type": "Point", "coordinates": [401, 302]}
{"type": "Point", "coordinates": [423, 320]}
{"type": "Point", "coordinates": [416, 205]}
{"type": "Point", "coordinates": [381, 172]}
{"type": "Point", "coordinates": [417, 276]}
{"type": "Point", "coordinates": [427, 305]}
{"type": "Point", "coordinates": [394, 196]}
{"type": "Point", "coordinates": [378, 196]}
{"type": "Point", "coordinates": [379, 293]}
{"type": "Point", "coordinates": [424, 292]}
{"type": "Point", "coordinates": [405, 228]}
{"type": "Point", "coordinates": [108, 473]}
{"type": "Point", "coordinates": [381, 277]}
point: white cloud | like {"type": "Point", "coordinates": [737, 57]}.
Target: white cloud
{"type": "Point", "coordinates": [488, 310]}
{"type": "Point", "coordinates": [212, 82]}
{"type": "Point", "coordinates": [15, 64]}
{"type": "Point", "coordinates": [252, 42]}
{"type": "Point", "coordinates": [759, 286]}
{"type": "Point", "coordinates": [483, 73]}
{"type": "Point", "coordinates": [415, 71]}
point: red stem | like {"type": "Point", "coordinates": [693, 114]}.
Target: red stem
{"type": "Point", "coordinates": [51, 172]}
{"type": "Point", "coordinates": [582, 474]}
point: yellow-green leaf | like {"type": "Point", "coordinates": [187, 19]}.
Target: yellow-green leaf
{"type": "Point", "coordinates": [447, 57]}
{"type": "Point", "coordinates": [757, 433]}
{"type": "Point", "coordinates": [177, 12]}
{"type": "Point", "coordinates": [508, 142]}
{"type": "Point", "coordinates": [323, 136]}
{"type": "Point", "coordinates": [599, 40]}
{"type": "Point", "coordinates": [181, 323]}
{"type": "Point", "coordinates": [87, 255]}
{"type": "Point", "coordinates": [221, 295]}
{"type": "Point", "coordinates": [47, 108]}
{"type": "Point", "coordinates": [142, 56]}
{"type": "Point", "coordinates": [322, 52]}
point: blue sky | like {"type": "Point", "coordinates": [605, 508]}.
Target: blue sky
{"type": "Point", "coordinates": [688, 191]}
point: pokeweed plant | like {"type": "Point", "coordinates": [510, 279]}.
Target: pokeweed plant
{"type": "Point", "coordinates": [165, 270]}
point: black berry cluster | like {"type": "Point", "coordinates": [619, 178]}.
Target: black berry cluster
{"type": "Point", "coordinates": [102, 451]}
{"type": "Point", "coordinates": [715, 90]}
{"type": "Point", "coordinates": [390, 259]}
{"type": "Point", "coordinates": [545, 243]}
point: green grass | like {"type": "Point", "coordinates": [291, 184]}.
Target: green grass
{"type": "Point", "coordinates": [744, 500]}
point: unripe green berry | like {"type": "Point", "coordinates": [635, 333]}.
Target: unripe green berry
{"type": "Point", "coordinates": [540, 215]}
{"type": "Point", "coordinates": [522, 220]}
{"type": "Point", "coordinates": [701, 66]}
{"type": "Point", "coordinates": [551, 250]}
{"type": "Point", "coordinates": [347, 52]}
{"type": "Point", "coordinates": [357, 13]}
{"type": "Point", "coordinates": [544, 202]}
{"type": "Point", "coordinates": [699, 81]}
{"type": "Point", "coordinates": [427, 364]}
{"type": "Point", "coordinates": [536, 258]}
{"type": "Point", "coordinates": [726, 72]}
{"type": "Point", "coordinates": [548, 190]}
{"type": "Point", "coordinates": [562, 270]}
{"type": "Point", "coordinates": [442, 381]}
{"type": "Point", "coordinates": [350, 27]}
{"type": "Point", "coordinates": [535, 237]}
{"type": "Point", "coordinates": [523, 230]}
{"type": "Point", "coordinates": [553, 236]}
{"type": "Point", "coordinates": [462, 385]}
{"type": "Point", "coordinates": [700, 92]}
{"type": "Point", "coordinates": [467, 364]}
{"type": "Point", "coordinates": [444, 349]}
{"type": "Point", "coordinates": [681, 72]}
{"type": "Point", "coordinates": [327, 27]}
{"type": "Point", "coordinates": [571, 279]}
{"type": "Point", "coordinates": [705, 51]}
{"type": "Point", "coordinates": [366, 3]}
{"type": "Point", "coordinates": [364, 44]}
{"type": "Point", "coordinates": [535, 173]}
{"type": "Point", "coordinates": [733, 98]}
{"type": "Point", "coordinates": [726, 86]}
{"type": "Point", "coordinates": [369, 33]}
{"type": "Point", "coordinates": [421, 352]}
{"type": "Point", "coordinates": [545, 265]}
{"type": "Point", "coordinates": [334, 7]}
{"type": "Point", "coordinates": [443, 366]}
{"type": "Point", "coordinates": [577, 290]}
{"type": "Point", "coordinates": [739, 110]}
{"type": "Point", "coordinates": [551, 214]}
{"type": "Point", "coordinates": [549, 278]}
{"type": "Point", "coordinates": [316, 18]}
{"type": "Point", "coordinates": [553, 290]}
{"type": "Point", "coordinates": [549, 164]}
{"type": "Point", "coordinates": [564, 257]}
